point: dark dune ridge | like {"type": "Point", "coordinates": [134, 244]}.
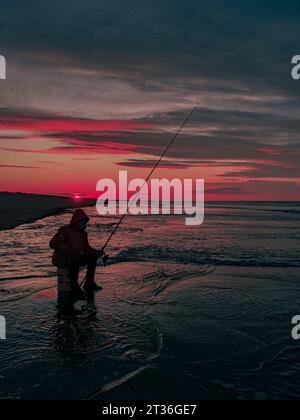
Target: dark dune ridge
{"type": "Point", "coordinates": [17, 208]}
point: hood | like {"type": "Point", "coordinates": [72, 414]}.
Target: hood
{"type": "Point", "coordinates": [77, 216]}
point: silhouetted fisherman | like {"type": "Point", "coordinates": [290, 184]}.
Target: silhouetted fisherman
{"type": "Point", "coordinates": [72, 251]}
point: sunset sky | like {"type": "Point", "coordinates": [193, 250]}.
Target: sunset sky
{"type": "Point", "coordinates": [94, 87]}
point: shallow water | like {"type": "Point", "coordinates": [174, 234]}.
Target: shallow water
{"type": "Point", "coordinates": [211, 306]}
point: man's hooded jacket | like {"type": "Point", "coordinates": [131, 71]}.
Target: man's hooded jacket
{"type": "Point", "coordinates": [71, 240]}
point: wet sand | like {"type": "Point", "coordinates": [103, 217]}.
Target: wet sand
{"type": "Point", "coordinates": [17, 209]}
{"type": "Point", "coordinates": [184, 313]}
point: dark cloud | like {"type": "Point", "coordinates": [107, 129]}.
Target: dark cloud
{"type": "Point", "coordinates": [256, 190]}
{"type": "Point", "coordinates": [158, 41]}
{"type": "Point", "coordinates": [19, 167]}
{"type": "Point", "coordinates": [140, 163]}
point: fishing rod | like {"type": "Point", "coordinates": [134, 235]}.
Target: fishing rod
{"type": "Point", "coordinates": [188, 118]}
{"type": "Point", "coordinates": [151, 173]}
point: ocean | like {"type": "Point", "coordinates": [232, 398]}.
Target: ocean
{"type": "Point", "coordinates": [185, 312]}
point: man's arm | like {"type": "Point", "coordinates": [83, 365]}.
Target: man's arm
{"type": "Point", "coordinates": [90, 250]}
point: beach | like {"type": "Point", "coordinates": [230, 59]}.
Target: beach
{"type": "Point", "coordinates": [185, 313]}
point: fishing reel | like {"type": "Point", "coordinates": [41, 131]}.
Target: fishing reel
{"type": "Point", "coordinates": [104, 257]}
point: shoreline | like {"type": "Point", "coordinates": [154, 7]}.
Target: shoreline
{"type": "Point", "coordinates": [17, 209]}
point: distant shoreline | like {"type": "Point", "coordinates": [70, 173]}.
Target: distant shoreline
{"type": "Point", "coordinates": [17, 208]}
